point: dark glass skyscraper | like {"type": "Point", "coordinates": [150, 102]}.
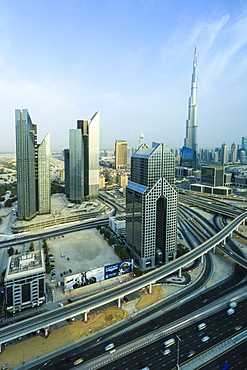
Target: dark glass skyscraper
{"type": "Point", "coordinates": [84, 160]}
{"type": "Point", "coordinates": [33, 168]}
{"type": "Point", "coordinates": [151, 206]}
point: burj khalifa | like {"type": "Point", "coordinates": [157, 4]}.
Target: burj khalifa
{"type": "Point", "coordinates": [190, 141]}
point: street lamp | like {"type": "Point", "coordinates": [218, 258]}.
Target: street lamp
{"type": "Point", "coordinates": [179, 340]}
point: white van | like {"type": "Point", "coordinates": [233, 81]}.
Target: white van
{"type": "Point", "coordinates": [202, 326]}
{"type": "Point", "coordinates": [169, 342]}
{"type": "Point", "coordinates": [109, 347]}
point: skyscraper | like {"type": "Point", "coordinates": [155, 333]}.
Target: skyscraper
{"type": "Point", "coordinates": [151, 206]}
{"type": "Point", "coordinates": [44, 186]}
{"type": "Point", "coordinates": [190, 140]}
{"type": "Point", "coordinates": [224, 154]}
{"type": "Point", "coordinates": [121, 154]}
{"type": "Point", "coordinates": [84, 160]}
{"type": "Point", "coordinates": [244, 144]}
{"type": "Point", "coordinates": [76, 166]}
{"type": "Point", "coordinates": [33, 168]}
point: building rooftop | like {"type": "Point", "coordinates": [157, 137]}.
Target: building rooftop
{"type": "Point", "coordinates": [25, 264]}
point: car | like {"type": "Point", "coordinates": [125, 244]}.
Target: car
{"type": "Point", "coordinates": [78, 361]}
{"type": "Point", "coordinates": [71, 319]}
{"type": "Point", "coordinates": [205, 339]}
{"type": "Point", "coordinates": [67, 272]}
{"type": "Point", "coordinates": [200, 334]}
{"type": "Point", "coordinates": [62, 283]}
{"type": "Point", "coordinates": [191, 353]}
{"type": "Point", "coordinates": [205, 300]}
{"type": "Point", "coordinates": [67, 258]}
{"type": "Point", "coordinates": [70, 300]}
{"type": "Point", "coordinates": [238, 327]}
{"type": "Point", "coordinates": [166, 351]}
{"type": "Point", "coordinates": [61, 274]}
{"type": "Point", "coordinates": [64, 272]}
{"type": "Point", "coordinates": [70, 271]}
{"type": "Point", "coordinates": [52, 266]}
{"type": "Point", "coordinates": [60, 304]}
{"type": "Point", "coordinates": [20, 338]}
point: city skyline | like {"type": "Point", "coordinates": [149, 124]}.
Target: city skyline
{"type": "Point", "coordinates": [135, 70]}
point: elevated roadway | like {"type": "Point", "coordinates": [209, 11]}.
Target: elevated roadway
{"type": "Point", "coordinates": [87, 304]}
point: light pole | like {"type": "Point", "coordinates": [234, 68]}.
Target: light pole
{"type": "Point", "coordinates": [179, 340]}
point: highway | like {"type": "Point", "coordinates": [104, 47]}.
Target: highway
{"type": "Point", "coordinates": [87, 304]}
{"type": "Point", "coordinates": [219, 327]}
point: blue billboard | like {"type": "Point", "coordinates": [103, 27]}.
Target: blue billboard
{"type": "Point", "coordinates": [117, 269]}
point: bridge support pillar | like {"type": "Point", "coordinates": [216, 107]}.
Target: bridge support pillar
{"type": "Point", "coordinates": [85, 315]}
{"type": "Point", "coordinates": [214, 250]}
{"type": "Point", "coordinates": [119, 303]}
{"type": "Point", "coordinates": [180, 273]}
{"type": "Point", "coordinates": [46, 332]}
{"type": "Point", "coordinates": [150, 288]}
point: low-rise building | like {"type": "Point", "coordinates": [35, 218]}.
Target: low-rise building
{"type": "Point", "coordinates": [118, 224]}
{"type": "Point", "coordinates": [25, 281]}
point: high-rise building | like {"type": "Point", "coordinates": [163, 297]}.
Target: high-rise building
{"type": "Point", "coordinates": [33, 172]}
{"type": "Point", "coordinates": [233, 152]}
{"type": "Point", "coordinates": [121, 154]}
{"type": "Point", "coordinates": [66, 170]}
{"type": "Point", "coordinates": [76, 166]}
{"type": "Point", "coordinates": [244, 144]}
{"type": "Point", "coordinates": [212, 176]}
{"type": "Point", "coordinates": [190, 140]}
{"type": "Point", "coordinates": [44, 186]}
{"type": "Point", "coordinates": [151, 206]}
{"type": "Point", "coordinates": [224, 154]}
{"type": "Point", "coordinates": [84, 160]}
{"type": "Point", "coordinates": [141, 140]}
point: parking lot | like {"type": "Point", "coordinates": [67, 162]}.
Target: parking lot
{"type": "Point", "coordinates": [77, 252]}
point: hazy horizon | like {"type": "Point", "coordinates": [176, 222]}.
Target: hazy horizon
{"type": "Point", "coordinates": [132, 61]}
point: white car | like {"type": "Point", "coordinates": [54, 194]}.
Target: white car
{"type": "Point", "coordinates": [166, 351]}
{"type": "Point", "coordinates": [60, 304]}
{"type": "Point", "coordinates": [205, 339]}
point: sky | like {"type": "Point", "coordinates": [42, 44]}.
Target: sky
{"type": "Point", "coordinates": [129, 59]}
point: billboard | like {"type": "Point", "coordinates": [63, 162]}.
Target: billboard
{"type": "Point", "coordinates": [95, 275]}
{"type": "Point", "coordinates": [117, 269]}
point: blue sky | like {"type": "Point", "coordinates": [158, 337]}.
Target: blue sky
{"type": "Point", "coordinates": [129, 59]}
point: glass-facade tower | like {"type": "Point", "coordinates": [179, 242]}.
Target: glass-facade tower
{"type": "Point", "coordinates": [33, 168]}
{"type": "Point", "coordinates": [151, 206]}
{"type": "Point", "coordinates": [44, 187]}
{"type": "Point", "coordinates": [84, 160]}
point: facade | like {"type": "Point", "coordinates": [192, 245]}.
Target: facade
{"type": "Point", "coordinates": [67, 171]}
{"type": "Point", "coordinates": [190, 140]}
{"type": "Point", "coordinates": [233, 152]}
{"type": "Point", "coordinates": [219, 190]}
{"type": "Point", "coordinates": [44, 187]}
{"type": "Point", "coordinates": [151, 206]}
{"type": "Point", "coordinates": [122, 179]}
{"type": "Point", "coordinates": [117, 224]}
{"type": "Point", "coordinates": [83, 161]}
{"type": "Point", "coordinates": [25, 281]}
{"type": "Point", "coordinates": [244, 144]}
{"type": "Point", "coordinates": [224, 154]}
{"type": "Point", "coordinates": [33, 179]}
{"type": "Point", "coordinates": [76, 166]}
{"type": "Point", "coordinates": [212, 176]}
{"type": "Point", "coordinates": [121, 154]}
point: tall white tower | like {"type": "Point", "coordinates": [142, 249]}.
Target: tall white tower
{"type": "Point", "coordinates": [190, 140]}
